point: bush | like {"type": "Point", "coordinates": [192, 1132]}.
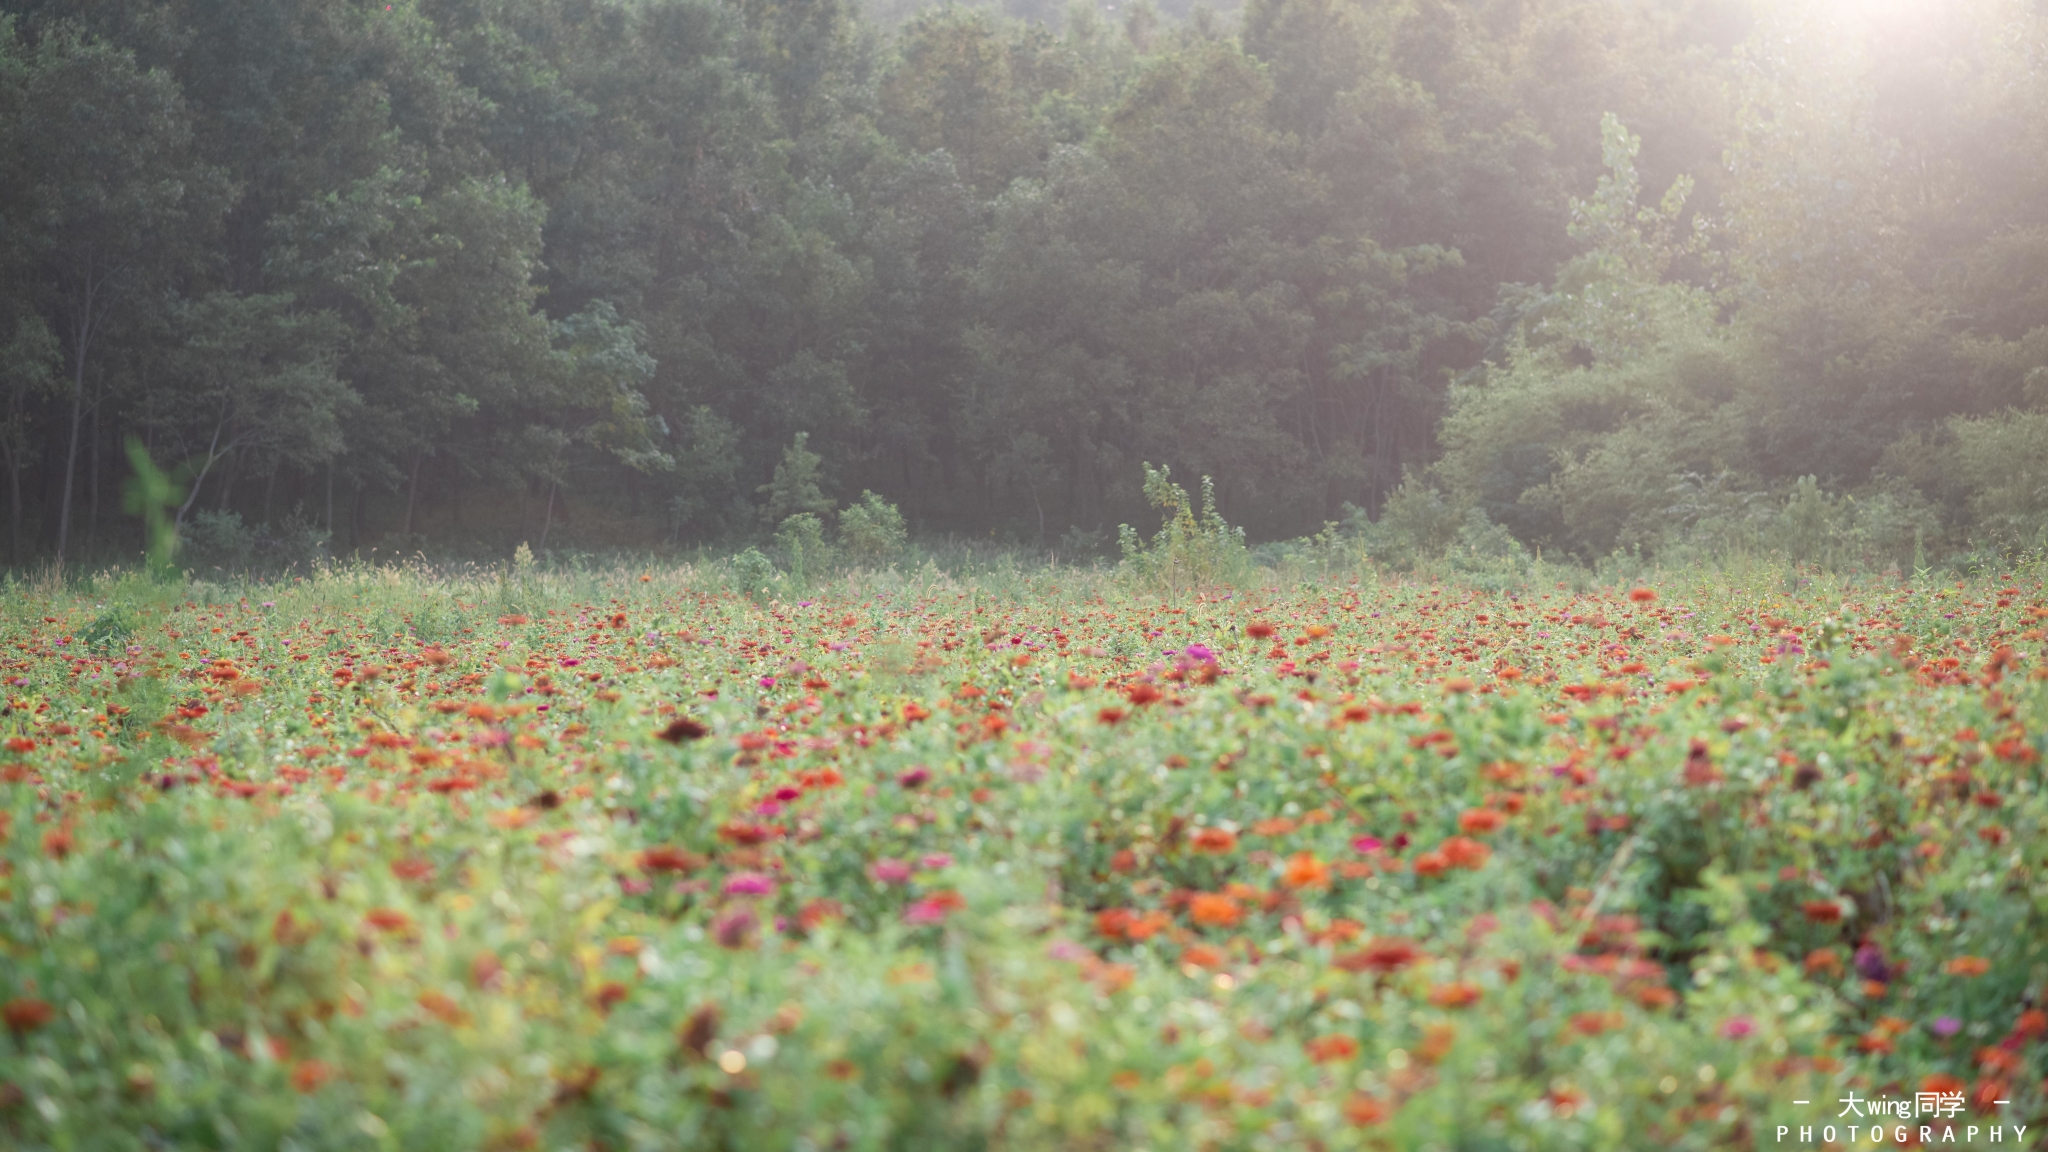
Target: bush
{"type": "Point", "coordinates": [871, 529]}
{"type": "Point", "coordinates": [1190, 550]}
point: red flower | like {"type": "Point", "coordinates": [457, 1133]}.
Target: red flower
{"type": "Point", "coordinates": [26, 1014]}
{"type": "Point", "coordinates": [1326, 1049]}
{"type": "Point", "coordinates": [1480, 821]}
{"type": "Point", "coordinates": [1822, 911]}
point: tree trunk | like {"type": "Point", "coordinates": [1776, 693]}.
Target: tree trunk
{"type": "Point", "coordinates": [412, 494]}
{"type": "Point", "coordinates": [550, 521]}
{"type": "Point", "coordinates": [92, 523]}
{"type": "Point", "coordinates": [14, 514]}
{"type": "Point", "coordinates": [330, 501]}
{"type": "Point", "coordinates": [71, 455]}
{"type": "Point", "coordinates": [454, 494]}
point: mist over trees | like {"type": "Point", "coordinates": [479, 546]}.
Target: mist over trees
{"type": "Point", "coordinates": [1649, 275]}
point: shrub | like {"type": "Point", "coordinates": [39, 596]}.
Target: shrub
{"type": "Point", "coordinates": [1190, 550]}
{"type": "Point", "coordinates": [871, 529]}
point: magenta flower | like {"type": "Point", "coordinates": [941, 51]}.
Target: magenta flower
{"type": "Point", "coordinates": [749, 884]}
{"type": "Point", "coordinates": [1367, 844]}
{"type": "Point", "coordinates": [1946, 1026]}
{"type": "Point", "coordinates": [915, 777]}
{"type": "Point", "coordinates": [926, 912]}
{"type": "Point", "coordinates": [1736, 1027]}
{"type": "Point", "coordinates": [767, 681]}
{"type": "Point", "coordinates": [890, 871]}
{"type": "Point", "coordinates": [732, 929]}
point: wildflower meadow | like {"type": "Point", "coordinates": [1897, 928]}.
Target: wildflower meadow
{"type": "Point", "coordinates": [645, 859]}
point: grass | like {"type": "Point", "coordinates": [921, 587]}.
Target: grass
{"type": "Point", "coordinates": [404, 858]}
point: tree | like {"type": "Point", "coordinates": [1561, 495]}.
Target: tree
{"type": "Point", "coordinates": [117, 205]}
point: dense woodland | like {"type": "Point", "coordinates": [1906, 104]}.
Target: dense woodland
{"type": "Point", "coordinates": [1657, 276]}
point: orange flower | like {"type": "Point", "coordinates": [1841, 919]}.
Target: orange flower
{"type": "Point", "coordinates": [1363, 1110]}
{"type": "Point", "coordinates": [1217, 840]}
{"type": "Point", "coordinates": [1594, 1023]}
{"type": "Point", "coordinates": [388, 920]}
{"type": "Point", "coordinates": [1202, 956]}
{"type": "Point", "coordinates": [1258, 629]}
{"type": "Point", "coordinates": [2032, 1025]}
{"type": "Point", "coordinates": [1457, 994]}
{"type": "Point", "coordinates": [1823, 961]}
{"type": "Point", "coordinates": [1325, 1049]}
{"type": "Point", "coordinates": [1209, 908]}
{"type": "Point", "coordinates": [668, 859]}
{"type": "Point", "coordinates": [309, 1075]}
{"type": "Point", "coordinates": [1460, 852]}
{"type": "Point", "coordinates": [1436, 1043]}
{"type": "Point", "coordinates": [1480, 821]}
{"type": "Point", "coordinates": [1305, 871]}
{"type": "Point", "coordinates": [443, 1007]}
{"type": "Point", "coordinates": [1655, 996]}
{"type": "Point", "coordinates": [1431, 863]}
{"type": "Point", "coordinates": [1641, 595]}
{"type": "Point", "coordinates": [1967, 966]}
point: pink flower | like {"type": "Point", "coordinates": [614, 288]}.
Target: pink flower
{"type": "Point", "coordinates": [1366, 844]}
{"type": "Point", "coordinates": [890, 871]}
{"type": "Point", "coordinates": [732, 929]}
{"type": "Point", "coordinates": [934, 861]}
{"type": "Point", "coordinates": [749, 884]}
{"type": "Point", "coordinates": [1736, 1027]}
{"type": "Point", "coordinates": [926, 912]}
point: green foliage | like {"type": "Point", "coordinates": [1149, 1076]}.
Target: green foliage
{"type": "Point", "coordinates": [1191, 550]}
{"type": "Point", "coordinates": [463, 267]}
{"type": "Point", "coordinates": [753, 573]}
{"type": "Point", "coordinates": [154, 496]}
{"type": "Point", "coordinates": [794, 491]}
{"type": "Point", "coordinates": [872, 529]}
{"type": "Point", "coordinates": [801, 540]}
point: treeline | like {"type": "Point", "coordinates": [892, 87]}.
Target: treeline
{"type": "Point", "coordinates": [590, 271]}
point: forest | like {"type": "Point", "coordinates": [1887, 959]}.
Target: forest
{"type": "Point", "coordinates": [1663, 278]}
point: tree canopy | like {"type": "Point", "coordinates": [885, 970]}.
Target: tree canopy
{"type": "Point", "coordinates": [1606, 274]}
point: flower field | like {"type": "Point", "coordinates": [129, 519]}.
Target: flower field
{"type": "Point", "coordinates": [382, 860]}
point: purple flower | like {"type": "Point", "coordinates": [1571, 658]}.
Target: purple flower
{"type": "Point", "coordinates": [1871, 964]}
{"type": "Point", "coordinates": [1946, 1026]}
{"type": "Point", "coordinates": [890, 871]}
{"type": "Point", "coordinates": [749, 884]}
{"type": "Point", "coordinates": [732, 929]}
{"type": "Point", "coordinates": [1198, 652]}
